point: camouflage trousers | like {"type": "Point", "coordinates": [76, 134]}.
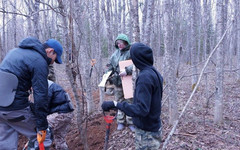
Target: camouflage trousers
{"type": "Point", "coordinates": [145, 140]}
{"type": "Point", "coordinates": [119, 97]}
{"type": "Point", "coordinates": [51, 74]}
{"type": "Point", "coordinates": [60, 124]}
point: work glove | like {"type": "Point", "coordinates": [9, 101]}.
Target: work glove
{"type": "Point", "coordinates": [107, 105]}
{"type": "Point", "coordinates": [41, 135]}
{"type": "Point", "coordinates": [123, 73]}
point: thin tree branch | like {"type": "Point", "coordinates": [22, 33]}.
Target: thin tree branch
{"type": "Point", "coordinates": [14, 13]}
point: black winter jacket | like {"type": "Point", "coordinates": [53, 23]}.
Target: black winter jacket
{"type": "Point", "coordinates": [59, 100]}
{"type": "Point", "coordinates": [146, 107]}
{"type": "Point", "coordinates": [29, 63]}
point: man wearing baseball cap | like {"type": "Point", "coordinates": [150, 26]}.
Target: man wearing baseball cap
{"type": "Point", "coordinates": [22, 68]}
{"type": "Point", "coordinates": [57, 47]}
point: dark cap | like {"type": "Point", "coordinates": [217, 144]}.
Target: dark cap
{"type": "Point", "coordinates": [57, 48]}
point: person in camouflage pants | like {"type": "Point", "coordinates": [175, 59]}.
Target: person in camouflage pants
{"type": "Point", "coordinates": [60, 114]}
{"type": "Point", "coordinates": [146, 107]}
{"type": "Point", "coordinates": [60, 125]}
{"type": "Point", "coordinates": [51, 74]}
{"type": "Point", "coordinates": [122, 45]}
{"type": "Point", "coordinates": [121, 117]}
{"type": "Point", "coordinates": [145, 140]}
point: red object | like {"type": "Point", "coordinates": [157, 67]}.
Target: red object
{"type": "Point", "coordinates": [109, 119]}
{"type": "Point", "coordinates": [41, 146]}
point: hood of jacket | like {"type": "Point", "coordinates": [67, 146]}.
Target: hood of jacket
{"type": "Point", "coordinates": [141, 55]}
{"type": "Point", "coordinates": [35, 44]}
{"type": "Point", "coordinates": [122, 37]}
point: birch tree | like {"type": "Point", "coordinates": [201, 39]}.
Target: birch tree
{"type": "Point", "coordinates": [98, 53]}
{"type": "Point", "coordinates": [237, 35]}
{"type": "Point", "coordinates": [144, 18]}
{"type": "Point", "coordinates": [150, 11]}
{"type": "Point", "coordinates": [14, 24]}
{"type": "Point", "coordinates": [124, 16]}
{"type": "Point", "coordinates": [71, 70]}
{"type": "Point", "coordinates": [119, 18]}
{"type": "Point", "coordinates": [218, 108]}
{"type": "Point", "coordinates": [193, 40]}
{"type": "Point", "coordinates": [4, 30]}
{"type": "Point", "coordinates": [109, 27]}
{"type": "Point", "coordinates": [36, 18]}
{"type": "Point", "coordinates": [170, 74]}
{"type": "Point", "coordinates": [28, 3]}
{"type": "Point", "coordinates": [135, 19]}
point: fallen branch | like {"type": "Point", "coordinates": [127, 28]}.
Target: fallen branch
{"type": "Point", "coordinates": [185, 134]}
{"type": "Point", "coordinates": [194, 90]}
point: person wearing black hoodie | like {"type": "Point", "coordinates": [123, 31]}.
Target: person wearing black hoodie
{"type": "Point", "coordinates": [28, 66]}
{"type": "Point", "coordinates": [146, 108]}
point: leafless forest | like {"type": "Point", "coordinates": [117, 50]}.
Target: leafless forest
{"type": "Point", "coordinates": [196, 48]}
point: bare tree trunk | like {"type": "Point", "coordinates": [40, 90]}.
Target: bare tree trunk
{"type": "Point", "coordinates": [232, 46]}
{"type": "Point", "coordinates": [107, 14]}
{"type": "Point", "coordinates": [144, 18]}
{"type": "Point", "coordinates": [170, 76]}
{"type": "Point", "coordinates": [193, 43]}
{"type": "Point", "coordinates": [119, 14]}
{"type": "Point", "coordinates": [124, 16]}
{"type": "Point", "coordinates": [98, 55]}
{"type": "Point", "coordinates": [136, 32]}
{"type": "Point", "coordinates": [71, 72]}
{"type": "Point", "coordinates": [4, 31]}
{"type": "Point", "coordinates": [14, 24]}
{"type": "Point", "coordinates": [115, 21]}
{"type": "Point", "coordinates": [150, 11]}
{"type": "Point", "coordinates": [29, 22]}
{"type": "Point", "coordinates": [237, 36]}
{"type": "Point", "coordinates": [218, 108]}
{"type": "Point", "coordinates": [36, 18]}
{"type": "Point", "coordinates": [134, 13]}
{"type": "Point", "coordinates": [205, 29]}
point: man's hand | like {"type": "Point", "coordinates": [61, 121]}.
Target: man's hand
{"type": "Point", "coordinates": [107, 105]}
{"type": "Point", "coordinates": [123, 73]}
{"type": "Point", "coordinates": [41, 135]}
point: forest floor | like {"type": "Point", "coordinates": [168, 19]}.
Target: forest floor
{"type": "Point", "coordinates": [195, 131]}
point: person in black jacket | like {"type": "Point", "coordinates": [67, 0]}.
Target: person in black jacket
{"type": "Point", "coordinates": [28, 64]}
{"type": "Point", "coordinates": [146, 107]}
{"type": "Point", "coordinates": [59, 117]}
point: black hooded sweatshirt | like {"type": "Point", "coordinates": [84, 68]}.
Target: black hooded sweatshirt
{"type": "Point", "coordinates": [146, 107]}
{"type": "Point", "coordinates": [29, 63]}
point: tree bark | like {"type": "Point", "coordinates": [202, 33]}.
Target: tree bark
{"type": "Point", "coordinates": [150, 11]}
{"type": "Point", "coordinates": [135, 17]}
{"type": "Point", "coordinates": [237, 36]}
{"type": "Point", "coordinates": [193, 36]}
{"type": "Point", "coordinates": [170, 74]}
{"type": "Point", "coordinates": [36, 18]}
{"type": "Point", "coordinates": [218, 108]}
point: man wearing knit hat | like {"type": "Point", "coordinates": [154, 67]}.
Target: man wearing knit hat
{"type": "Point", "coordinates": [22, 68]}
